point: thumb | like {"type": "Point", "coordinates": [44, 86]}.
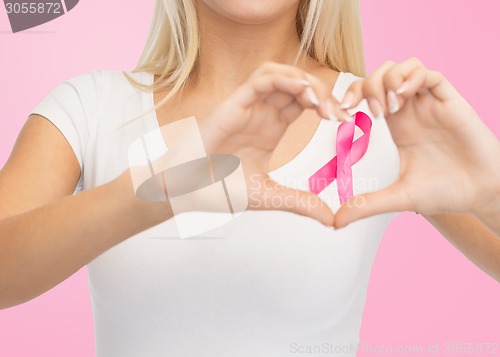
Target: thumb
{"type": "Point", "coordinates": [278, 197]}
{"type": "Point", "coordinates": [391, 199]}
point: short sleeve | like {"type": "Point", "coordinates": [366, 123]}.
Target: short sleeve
{"type": "Point", "coordinates": [71, 107]}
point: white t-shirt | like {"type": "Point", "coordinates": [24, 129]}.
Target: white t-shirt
{"type": "Point", "coordinates": [270, 283]}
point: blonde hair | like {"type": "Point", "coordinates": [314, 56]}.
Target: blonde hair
{"type": "Point", "coordinates": [329, 31]}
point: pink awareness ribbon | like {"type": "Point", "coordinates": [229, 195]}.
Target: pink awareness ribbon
{"type": "Point", "coordinates": [348, 153]}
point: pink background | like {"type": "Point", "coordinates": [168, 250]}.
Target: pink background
{"type": "Point", "coordinates": [422, 291]}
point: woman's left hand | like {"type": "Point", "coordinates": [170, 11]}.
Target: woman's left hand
{"type": "Point", "coordinates": [449, 158]}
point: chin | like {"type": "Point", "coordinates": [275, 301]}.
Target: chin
{"type": "Point", "coordinates": [252, 12]}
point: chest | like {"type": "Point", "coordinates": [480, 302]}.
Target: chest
{"type": "Point", "coordinates": [295, 139]}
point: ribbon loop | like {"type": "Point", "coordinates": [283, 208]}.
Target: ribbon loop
{"type": "Point", "coordinates": [348, 153]}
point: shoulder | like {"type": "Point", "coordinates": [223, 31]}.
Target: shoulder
{"type": "Point", "coordinates": [85, 82]}
{"type": "Point", "coordinates": [86, 89]}
{"type": "Point", "coordinates": [98, 89]}
{"type": "Point", "coordinates": [100, 81]}
{"type": "Point", "coordinates": [82, 97]}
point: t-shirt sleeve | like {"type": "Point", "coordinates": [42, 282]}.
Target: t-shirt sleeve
{"type": "Point", "coordinates": [71, 107]}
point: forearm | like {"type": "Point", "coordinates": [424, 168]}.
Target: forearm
{"type": "Point", "coordinates": [477, 234]}
{"type": "Point", "coordinates": [488, 212]}
{"type": "Point", "coordinates": [42, 247]}
{"type": "Point", "coordinates": [491, 220]}
{"type": "Point", "coordinates": [469, 235]}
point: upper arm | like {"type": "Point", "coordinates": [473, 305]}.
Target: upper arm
{"type": "Point", "coordinates": [47, 160]}
{"type": "Point", "coordinates": [41, 168]}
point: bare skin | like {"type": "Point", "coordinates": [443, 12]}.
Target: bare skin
{"type": "Point", "coordinates": [450, 172]}
{"type": "Point", "coordinates": [297, 136]}
{"type": "Point", "coordinates": [45, 238]}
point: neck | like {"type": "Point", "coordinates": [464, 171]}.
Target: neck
{"type": "Point", "coordinates": [230, 51]}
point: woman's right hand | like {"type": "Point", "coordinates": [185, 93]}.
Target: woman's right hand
{"type": "Point", "coordinates": [251, 122]}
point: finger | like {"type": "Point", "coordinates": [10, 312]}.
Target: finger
{"type": "Point", "coordinates": [286, 96]}
{"type": "Point", "coordinates": [372, 88]}
{"type": "Point", "coordinates": [278, 68]}
{"type": "Point", "coordinates": [439, 86]}
{"type": "Point", "coordinates": [277, 197]}
{"type": "Point", "coordinates": [318, 93]}
{"type": "Point", "coordinates": [411, 85]}
{"type": "Point", "coordinates": [280, 100]}
{"type": "Point", "coordinates": [295, 108]}
{"type": "Point", "coordinates": [258, 87]}
{"type": "Point", "coordinates": [291, 112]}
{"type": "Point", "coordinates": [305, 204]}
{"type": "Point", "coordinates": [401, 88]}
{"type": "Point", "coordinates": [277, 82]}
{"type": "Point", "coordinates": [327, 106]}
{"type": "Point", "coordinates": [403, 81]}
{"type": "Point", "coordinates": [280, 91]}
{"type": "Point", "coordinates": [411, 77]}
{"type": "Point", "coordinates": [398, 76]}
{"type": "Point", "coordinates": [354, 95]}
{"type": "Point", "coordinates": [391, 199]}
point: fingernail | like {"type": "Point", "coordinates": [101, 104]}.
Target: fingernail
{"type": "Point", "coordinates": [375, 106]}
{"type": "Point", "coordinates": [304, 82]}
{"type": "Point", "coordinates": [347, 117]}
{"type": "Point", "coordinates": [392, 101]}
{"type": "Point", "coordinates": [330, 110]}
{"type": "Point", "coordinates": [347, 101]}
{"type": "Point", "coordinates": [312, 96]}
{"type": "Point", "coordinates": [403, 88]}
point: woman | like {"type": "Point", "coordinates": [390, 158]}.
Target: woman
{"type": "Point", "coordinates": [269, 283]}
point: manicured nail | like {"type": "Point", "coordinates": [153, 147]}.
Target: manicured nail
{"type": "Point", "coordinates": [347, 117]}
{"type": "Point", "coordinates": [312, 96]}
{"type": "Point", "coordinates": [347, 101]}
{"type": "Point", "coordinates": [375, 106]}
{"type": "Point", "coordinates": [330, 110]}
{"type": "Point", "coordinates": [392, 101]}
{"type": "Point", "coordinates": [304, 82]}
{"type": "Point", "coordinates": [403, 88]}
